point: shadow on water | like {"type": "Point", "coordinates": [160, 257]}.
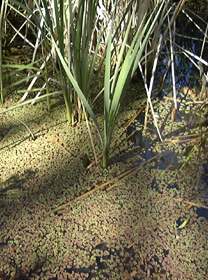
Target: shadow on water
{"type": "Point", "coordinates": [202, 212]}
{"type": "Point", "coordinates": [3, 131]}
{"type": "Point", "coordinates": [23, 273]}
{"type": "Point", "coordinates": [103, 254]}
{"type": "Point", "coordinates": [141, 148]}
{"type": "Point", "coordinates": [16, 182]}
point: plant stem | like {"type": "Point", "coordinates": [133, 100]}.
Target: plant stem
{"type": "Point", "coordinates": [105, 157]}
{"type": "Point", "coordinates": [68, 106]}
{"type": "Point", "coordinates": [1, 80]}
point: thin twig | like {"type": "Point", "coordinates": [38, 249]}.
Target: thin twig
{"type": "Point", "coordinates": [190, 203]}
{"type": "Point", "coordinates": [149, 89]}
{"type": "Point", "coordinates": [146, 117]}
{"type": "Point", "coordinates": [172, 64]}
{"type": "Point", "coordinates": [28, 129]}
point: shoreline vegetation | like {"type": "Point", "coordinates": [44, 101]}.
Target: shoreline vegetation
{"type": "Point", "coordinates": [103, 140]}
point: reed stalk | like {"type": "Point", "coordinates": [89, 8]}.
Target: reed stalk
{"type": "Point", "coordinates": [3, 9]}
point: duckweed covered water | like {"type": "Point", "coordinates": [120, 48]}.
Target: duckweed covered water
{"type": "Point", "coordinates": [131, 230]}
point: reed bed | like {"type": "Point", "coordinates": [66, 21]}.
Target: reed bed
{"type": "Point", "coordinates": [74, 41]}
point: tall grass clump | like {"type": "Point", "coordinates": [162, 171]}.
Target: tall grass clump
{"type": "Point", "coordinates": [70, 27]}
{"type": "Point", "coordinates": [70, 34]}
{"type": "Point", "coordinates": [118, 74]}
{"type": "Point", "coordinates": [128, 59]}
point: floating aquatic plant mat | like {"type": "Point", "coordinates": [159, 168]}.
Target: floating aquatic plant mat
{"type": "Point", "coordinates": [144, 218]}
{"type": "Point", "coordinates": [107, 185]}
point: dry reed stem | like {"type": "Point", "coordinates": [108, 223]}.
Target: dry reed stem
{"type": "Point", "coordinates": [190, 203]}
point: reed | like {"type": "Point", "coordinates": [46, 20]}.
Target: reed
{"type": "Point", "coordinates": [128, 60]}
{"type": "Point", "coordinates": [119, 75]}
{"type": "Point", "coordinates": [3, 9]}
{"type": "Point", "coordinates": [70, 26]}
{"type": "Point", "coordinates": [72, 35]}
